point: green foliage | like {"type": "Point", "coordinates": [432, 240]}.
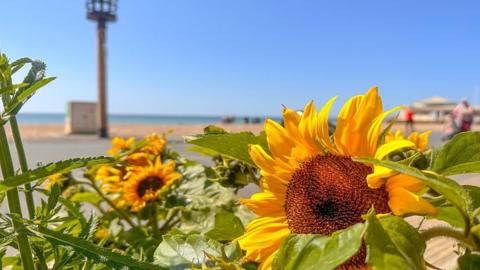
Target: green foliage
{"type": "Point", "coordinates": [459, 156]}
{"type": "Point", "coordinates": [52, 168]}
{"type": "Point", "coordinates": [86, 197]}
{"type": "Point", "coordinates": [179, 251]}
{"type": "Point", "coordinates": [89, 250]}
{"type": "Point", "coordinates": [469, 262]}
{"type": "Point", "coordinates": [227, 227]}
{"type": "Point", "coordinates": [22, 96]}
{"type": "Point", "coordinates": [393, 244]}
{"type": "Point", "coordinates": [451, 215]}
{"type": "Point", "coordinates": [311, 252]}
{"type": "Point", "coordinates": [232, 145]}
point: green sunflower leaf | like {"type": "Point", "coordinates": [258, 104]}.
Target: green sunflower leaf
{"type": "Point", "coordinates": [179, 251]}
{"type": "Point", "coordinates": [311, 252]}
{"type": "Point", "coordinates": [52, 168]}
{"type": "Point", "coordinates": [469, 262]}
{"type": "Point", "coordinates": [451, 215]}
{"type": "Point", "coordinates": [392, 243]}
{"type": "Point", "coordinates": [474, 193]}
{"type": "Point", "coordinates": [227, 227]}
{"type": "Point", "coordinates": [450, 189]}
{"type": "Point", "coordinates": [459, 156]}
{"type": "Point", "coordinates": [232, 145]}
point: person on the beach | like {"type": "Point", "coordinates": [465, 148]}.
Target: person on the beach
{"type": "Point", "coordinates": [463, 116]}
{"type": "Point", "coordinates": [409, 120]}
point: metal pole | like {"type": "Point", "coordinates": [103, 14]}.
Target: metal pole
{"type": "Point", "coordinates": [102, 80]}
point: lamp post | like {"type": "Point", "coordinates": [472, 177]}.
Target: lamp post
{"type": "Point", "coordinates": [102, 11]}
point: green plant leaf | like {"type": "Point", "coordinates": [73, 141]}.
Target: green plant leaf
{"type": "Point", "coordinates": [469, 262]}
{"type": "Point", "coordinates": [451, 215]}
{"type": "Point", "coordinates": [450, 189]}
{"type": "Point", "coordinates": [392, 243]}
{"type": "Point", "coordinates": [460, 155]}
{"type": "Point", "coordinates": [21, 97]}
{"type": "Point", "coordinates": [182, 251]}
{"type": "Point", "coordinates": [233, 145]}
{"type": "Point", "coordinates": [71, 208]}
{"type": "Point", "coordinates": [227, 227]}
{"type": "Point", "coordinates": [311, 252]}
{"type": "Point", "coordinates": [474, 193]}
{"type": "Point", "coordinates": [86, 197]}
{"type": "Point", "coordinates": [92, 251]}
{"type": "Point", "coordinates": [52, 168]}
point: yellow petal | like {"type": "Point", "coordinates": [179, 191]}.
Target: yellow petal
{"type": "Point", "coordinates": [291, 119]}
{"type": "Point", "coordinates": [265, 162]}
{"type": "Point", "coordinates": [342, 134]}
{"type": "Point", "coordinates": [378, 177]}
{"type": "Point", "coordinates": [275, 184]}
{"type": "Point", "coordinates": [404, 181]}
{"type": "Point", "coordinates": [267, 264]}
{"type": "Point", "coordinates": [423, 140]}
{"type": "Point", "coordinates": [323, 131]}
{"type": "Point", "coordinates": [402, 201]}
{"type": "Point", "coordinates": [354, 121]}
{"type": "Point", "coordinates": [279, 141]}
{"type": "Point", "coordinates": [263, 237]}
{"type": "Point", "coordinates": [308, 124]}
{"type": "Point", "coordinates": [375, 130]}
{"type": "Point", "coordinates": [265, 204]}
{"type": "Point", "coordinates": [392, 146]}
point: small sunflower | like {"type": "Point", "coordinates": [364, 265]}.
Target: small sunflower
{"type": "Point", "coordinates": [120, 144]}
{"type": "Point", "coordinates": [111, 178]}
{"type": "Point", "coordinates": [155, 144]}
{"type": "Point", "coordinates": [56, 178]}
{"type": "Point", "coordinates": [419, 139]}
{"type": "Point", "coordinates": [145, 183]}
{"type": "Point", "coordinates": [311, 185]}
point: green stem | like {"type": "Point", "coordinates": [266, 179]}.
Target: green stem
{"type": "Point", "coordinates": [154, 220]}
{"type": "Point", "coordinates": [14, 203]}
{"type": "Point", "coordinates": [109, 202]}
{"type": "Point", "coordinates": [167, 224]}
{"type": "Point", "coordinates": [442, 231]}
{"type": "Point", "coordinates": [23, 165]}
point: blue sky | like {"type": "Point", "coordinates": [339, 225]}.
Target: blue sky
{"type": "Point", "coordinates": [216, 57]}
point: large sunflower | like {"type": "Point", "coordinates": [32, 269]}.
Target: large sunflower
{"type": "Point", "coordinates": [310, 184]}
{"type": "Point", "coordinates": [145, 183]}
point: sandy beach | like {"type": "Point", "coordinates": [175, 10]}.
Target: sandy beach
{"type": "Point", "coordinates": [175, 132]}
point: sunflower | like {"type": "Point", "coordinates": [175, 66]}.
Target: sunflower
{"type": "Point", "coordinates": [311, 185]}
{"type": "Point", "coordinates": [56, 178]}
{"type": "Point", "coordinates": [120, 144]}
{"type": "Point", "coordinates": [111, 178]}
{"type": "Point", "coordinates": [146, 183]}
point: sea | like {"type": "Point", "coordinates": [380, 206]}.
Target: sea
{"type": "Point", "coordinates": [59, 118]}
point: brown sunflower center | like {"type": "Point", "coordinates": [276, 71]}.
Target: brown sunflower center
{"type": "Point", "coordinates": [330, 193]}
{"type": "Point", "coordinates": [149, 184]}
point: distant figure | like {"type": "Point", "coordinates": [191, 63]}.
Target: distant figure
{"type": "Point", "coordinates": [256, 120]}
{"type": "Point", "coordinates": [459, 120]}
{"type": "Point", "coordinates": [246, 120]}
{"type": "Point", "coordinates": [409, 120]}
{"type": "Point", "coordinates": [450, 129]}
{"type": "Point", "coordinates": [463, 116]}
{"type": "Point", "coordinates": [228, 119]}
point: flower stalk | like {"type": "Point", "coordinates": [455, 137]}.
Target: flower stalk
{"type": "Point", "coordinates": [443, 231]}
{"type": "Point", "coordinates": [14, 202]}
{"type": "Point", "coordinates": [23, 165]}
